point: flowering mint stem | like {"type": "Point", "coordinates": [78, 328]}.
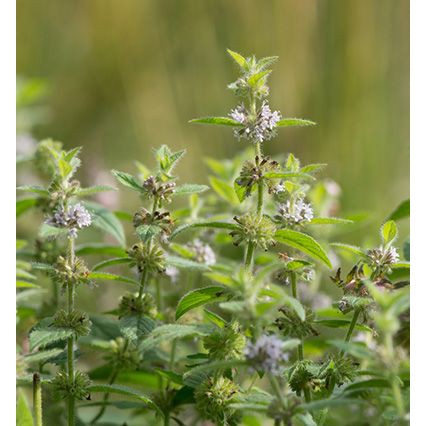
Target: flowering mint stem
{"type": "Point", "coordinates": [37, 401]}
{"type": "Point", "coordinates": [300, 354]}
{"type": "Point", "coordinates": [70, 342]}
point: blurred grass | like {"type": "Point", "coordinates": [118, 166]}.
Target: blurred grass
{"type": "Point", "coordinates": [127, 76]}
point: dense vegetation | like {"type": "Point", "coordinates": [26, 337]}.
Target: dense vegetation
{"type": "Point", "coordinates": [223, 320]}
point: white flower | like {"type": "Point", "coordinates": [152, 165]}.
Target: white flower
{"type": "Point", "coordinates": [295, 214]}
{"type": "Point", "coordinates": [382, 257]}
{"type": "Point", "coordinates": [266, 353]}
{"type": "Point", "coordinates": [172, 272]}
{"type": "Point", "coordinates": [74, 218]}
{"type": "Point", "coordinates": [258, 128]}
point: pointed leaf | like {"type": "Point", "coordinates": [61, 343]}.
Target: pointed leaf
{"type": "Point", "coordinates": [286, 122]}
{"type": "Point", "coordinates": [304, 243]}
{"type": "Point", "coordinates": [189, 188]}
{"type": "Point", "coordinates": [220, 121]}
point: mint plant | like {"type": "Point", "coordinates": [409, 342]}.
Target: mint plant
{"type": "Point", "coordinates": [227, 321]}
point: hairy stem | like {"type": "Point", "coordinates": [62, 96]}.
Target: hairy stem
{"type": "Point", "coordinates": [351, 328]}
{"type": "Point", "coordinates": [144, 279]}
{"type": "Point", "coordinates": [37, 401]}
{"type": "Point", "coordinates": [300, 354]}
{"type": "Point", "coordinates": [249, 255]}
{"type": "Point", "coordinates": [70, 342]}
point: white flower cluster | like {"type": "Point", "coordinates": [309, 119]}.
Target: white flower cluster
{"type": "Point", "coordinates": [297, 213]}
{"type": "Point", "coordinates": [74, 218]}
{"type": "Point", "coordinates": [382, 257]}
{"type": "Point", "coordinates": [202, 252]}
{"type": "Point", "coordinates": [266, 353]}
{"type": "Point", "coordinates": [261, 128]}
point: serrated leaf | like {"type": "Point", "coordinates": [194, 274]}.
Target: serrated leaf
{"type": "Point", "coordinates": [286, 122]}
{"type": "Point", "coordinates": [330, 221]}
{"type": "Point", "coordinates": [254, 79]}
{"type": "Point", "coordinates": [124, 390]}
{"type": "Point", "coordinates": [239, 59]}
{"type": "Point", "coordinates": [25, 204]}
{"type": "Point", "coordinates": [111, 277]}
{"type": "Point", "coordinates": [44, 334]}
{"type": "Point", "coordinates": [199, 297]}
{"type": "Point", "coordinates": [304, 243]}
{"type": "Point", "coordinates": [35, 189]}
{"type": "Point", "coordinates": [148, 232]}
{"type": "Point", "coordinates": [129, 181]}
{"type": "Point", "coordinates": [205, 224]}
{"type": "Point", "coordinates": [401, 212]}
{"type": "Point", "coordinates": [220, 121]}
{"type": "Point", "coordinates": [169, 332]}
{"type": "Point", "coordinates": [85, 192]}
{"type": "Point", "coordinates": [189, 188]}
{"type": "Point", "coordinates": [389, 232]}
{"type": "Point", "coordinates": [43, 356]}
{"type": "Point", "coordinates": [349, 248]}
{"type": "Point", "coordinates": [111, 262]}
{"type": "Point", "coordinates": [224, 190]}
{"type": "Point", "coordinates": [182, 263]}
{"type": "Point", "coordinates": [242, 192]}
{"type": "Point", "coordinates": [136, 327]}
{"type": "Point", "coordinates": [312, 168]}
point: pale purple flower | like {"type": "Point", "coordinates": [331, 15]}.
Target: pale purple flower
{"type": "Point", "coordinates": [258, 128]}
{"type": "Point", "coordinates": [382, 257]}
{"type": "Point", "coordinates": [173, 273]}
{"type": "Point", "coordinates": [295, 214]}
{"type": "Point", "coordinates": [74, 218]}
{"type": "Point", "coordinates": [266, 354]}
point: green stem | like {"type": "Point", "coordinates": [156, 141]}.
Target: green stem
{"type": "Point", "coordinates": [37, 400]}
{"type": "Point", "coordinates": [351, 328]}
{"type": "Point", "coordinates": [70, 341]}
{"type": "Point", "coordinates": [277, 390]}
{"type": "Point", "coordinates": [260, 187]}
{"type": "Point", "coordinates": [249, 255]}
{"type": "Point", "coordinates": [144, 279]}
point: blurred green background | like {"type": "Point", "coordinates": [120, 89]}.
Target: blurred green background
{"type": "Point", "coordinates": [126, 76]}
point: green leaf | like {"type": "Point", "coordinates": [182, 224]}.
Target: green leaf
{"type": "Point", "coordinates": [239, 59]}
{"type": "Point", "coordinates": [25, 204]}
{"type": "Point", "coordinates": [35, 189]}
{"type": "Point", "coordinates": [401, 212]}
{"type": "Point", "coordinates": [304, 243]}
{"type": "Point", "coordinates": [220, 121]}
{"type": "Point", "coordinates": [136, 327]}
{"type": "Point", "coordinates": [254, 79]}
{"type": "Point", "coordinates": [148, 232]}
{"type": "Point", "coordinates": [349, 248]}
{"type": "Point", "coordinates": [242, 192]}
{"type": "Point", "coordinates": [24, 416]}
{"type": "Point", "coordinates": [212, 224]}
{"type": "Point", "coordinates": [111, 262]}
{"type": "Point", "coordinates": [286, 175]}
{"type": "Point", "coordinates": [43, 356]}
{"type": "Point", "coordinates": [214, 318]}
{"type": "Point", "coordinates": [51, 232]}
{"type": "Point", "coordinates": [124, 390]}
{"type": "Point", "coordinates": [85, 192]}
{"type": "Point", "coordinates": [25, 284]}
{"type": "Point", "coordinates": [182, 263]}
{"type": "Point", "coordinates": [330, 221]}
{"type": "Point", "coordinates": [99, 249]}
{"type": "Point", "coordinates": [199, 373]}
{"type": "Point", "coordinates": [129, 181]}
{"type": "Point", "coordinates": [327, 403]}
{"type": "Point", "coordinates": [44, 334]}
{"type": "Point", "coordinates": [111, 277]}
{"type": "Point", "coordinates": [224, 190]}
{"type": "Point", "coordinates": [169, 332]}
{"type": "Point", "coordinates": [312, 168]}
{"type": "Point", "coordinates": [358, 350]}
{"type": "Point", "coordinates": [199, 297]}
{"type": "Point", "coordinates": [389, 232]}
{"type": "Point", "coordinates": [189, 188]}
{"type": "Point", "coordinates": [339, 323]}
{"type": "Point", "coordinates": [286, 122]}
{"type": "Point", "coordinates": [106, 221]}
